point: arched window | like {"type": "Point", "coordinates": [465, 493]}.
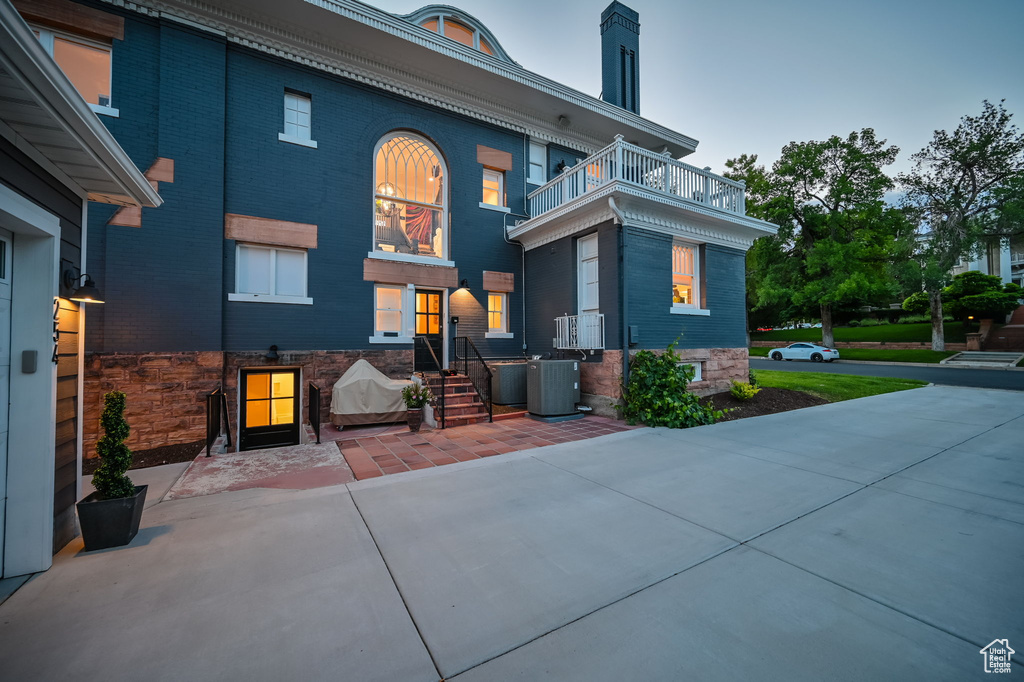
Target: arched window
{"type": "Point", "coordinates": [410, 206]}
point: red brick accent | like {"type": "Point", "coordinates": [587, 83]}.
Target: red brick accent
{"type": "Point", "coordinates": [167, 392]}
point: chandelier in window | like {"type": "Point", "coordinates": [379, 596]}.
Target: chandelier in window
{"type": "Point", "coordinates": [385, 207]}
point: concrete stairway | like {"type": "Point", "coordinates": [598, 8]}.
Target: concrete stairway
{"type": "Point", "coordinates": [462, 403]}
{"type": "Point", "coordinates": [983, 359]}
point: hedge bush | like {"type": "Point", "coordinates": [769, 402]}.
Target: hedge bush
{"type": "Point", "coordinates": [657, 395]}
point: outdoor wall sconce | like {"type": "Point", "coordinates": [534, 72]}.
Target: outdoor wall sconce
{"type": "Point", "coordinates": [272, 354]}
{"type": "Point", "coordinates": [87, 293]}
{"type": "Point", "coordinates": [464, 285]}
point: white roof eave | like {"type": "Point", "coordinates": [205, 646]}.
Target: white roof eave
{"type": "Point", "coordinates": [47, 88]}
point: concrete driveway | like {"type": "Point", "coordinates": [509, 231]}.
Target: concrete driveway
{"type": "Point", "coordinates": [876, 539]}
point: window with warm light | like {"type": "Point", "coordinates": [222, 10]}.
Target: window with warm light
{"type": "Point", "coordinates": [410, 198]}
{"type": "Point", "coordinates": [685, 278]}
{"type": "Point", "coordinates": [494, 192]}
{"type": "Point", "coordinates": [269, 399]}
{"type": "Point", "coordinates": [497, 318]}
{"type": "Point", "coordinates": [458, 31]}
{"type": "Point", "coordinates": [266, 274]}
{"type": "Point", "coordinates": [86, 63]}
{"type": "Point", "coordinates": [389, 308]}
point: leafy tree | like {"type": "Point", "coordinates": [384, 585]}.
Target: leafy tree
{"type": "Point", "coordinates": [964, 187]}
{"type": "Point", "coordinates": [836, 234]}
{"type": "Point", "coordinates": [981, 296]}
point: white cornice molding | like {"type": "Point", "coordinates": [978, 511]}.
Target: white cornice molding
{"type": "Point", "coordinates": [295, 44]}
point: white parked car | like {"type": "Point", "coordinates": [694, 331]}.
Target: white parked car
{"type": "Point", "coordinates": [804, 351]}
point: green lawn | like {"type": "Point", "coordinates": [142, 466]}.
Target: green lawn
{"type": "Point", "coordinates": [879, 355]}
{"type": "Point", "coordinates": [834, 387]}
{"type": "Point", "coordinates": [886, 332]}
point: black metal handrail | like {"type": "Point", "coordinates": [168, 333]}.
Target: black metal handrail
{"type": "Point", "coordinates": [474, 367]}
{"type": "Point", "coordinates": [439, 416]}
{"type": "Point", "coordinates": [314, 409]}
{"type": "Point", "coordinates": [217, 421]}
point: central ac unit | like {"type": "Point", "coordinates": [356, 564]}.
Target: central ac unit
{"type": "Point", "coordinates": [509, 384]}
{"type": "Point", "coordinates": [552, 387]}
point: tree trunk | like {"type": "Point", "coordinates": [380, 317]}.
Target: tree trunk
{"type": "Point", "coordinates": [827, 338]}
{"type": "Point", "coordinates": [938, 333]}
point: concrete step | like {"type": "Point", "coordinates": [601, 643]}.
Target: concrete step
{"type": "Point", "coordinates": [983, 359]}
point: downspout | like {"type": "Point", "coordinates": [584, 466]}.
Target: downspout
{"type": "Point", "coordinates": [620, 219]}
{"type": "Point", "coordinates": [504, 233]}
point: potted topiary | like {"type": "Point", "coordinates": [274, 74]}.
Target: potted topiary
{"type": "Point", "coordinates": [110, 516]}
{"type": "Point", "coordinates": [415, 397]}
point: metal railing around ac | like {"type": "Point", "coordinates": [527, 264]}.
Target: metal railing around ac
{"type": "Point", "coordinates": [314, 409]}
{"type": "Point", "coordinates": [217, 421]}
{"type": "Point", "coordinates": [472, 364]}
{"type": "Point", "coordinates": [439, 415]}
{"type": "Point", "coordinates": [580, 332]}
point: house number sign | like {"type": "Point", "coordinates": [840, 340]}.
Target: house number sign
{"type": "Point", "coordinates": [56, 328]}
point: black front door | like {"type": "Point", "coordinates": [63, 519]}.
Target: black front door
{"type": "Point", "coordinates": [270, 408]}
{"type": "Point", "coordinates": [430, 328]}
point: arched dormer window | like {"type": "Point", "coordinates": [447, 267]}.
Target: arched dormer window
{"type": "Point", "coordinates": [458, 26]}
{"type": "Point", "coordinates": [410, 204]}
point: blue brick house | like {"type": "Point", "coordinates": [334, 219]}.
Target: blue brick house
{"type": "Point", "coordinates": [342, 183]}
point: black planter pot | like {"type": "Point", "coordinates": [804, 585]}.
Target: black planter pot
{"type": "Point", "coordinates": [110, 523]}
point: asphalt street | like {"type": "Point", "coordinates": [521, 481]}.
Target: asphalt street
{"type": "Point", "coordinates": [936, 374]}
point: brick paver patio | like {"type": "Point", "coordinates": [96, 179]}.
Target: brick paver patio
{"type": "Point", "coordinates": [398, 451]}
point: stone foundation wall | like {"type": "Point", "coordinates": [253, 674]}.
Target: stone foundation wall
{"type": "Point", "coordinates": [864, 344]}
{"type": "Point", "coordinates": [166, 392]}
{"type": "Point", "coordinates": [600, 382]}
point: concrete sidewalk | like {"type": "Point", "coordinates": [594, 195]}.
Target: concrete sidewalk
{"type": "Point", "coordinates": [874, 539]}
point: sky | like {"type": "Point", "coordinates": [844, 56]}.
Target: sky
{"type": "Point", "coordinates": [749, 76]}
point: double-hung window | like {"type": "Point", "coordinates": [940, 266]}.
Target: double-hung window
{"type": "Point", "coordinates": [494, 188]}
{"type": "Point", "coordinates": [497, 315]}
{"type": "Point", "coordinates": [538, 174]}
{"type": "Point", "coordinates": [85, 62]}
{"type": "Point", "coordinates": [267, 274]}
{"type": "Point", "coordinates": [298, 119]}
{"type": "Point", "coordinates": [390, 313]}
{"type": "Point", "coordinates": [686, 275]}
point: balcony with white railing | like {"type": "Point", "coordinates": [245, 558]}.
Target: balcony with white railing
{"type": "Point", "coordinates": [635, 166]}
{"type": "Point", "coordinates": [579, 332]}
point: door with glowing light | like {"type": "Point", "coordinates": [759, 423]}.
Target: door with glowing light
{"type": "Point", "coordinates": [270, 410]}
{"type": "Point", "coordinates": [429, 326]}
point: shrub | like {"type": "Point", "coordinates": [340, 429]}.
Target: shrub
{"type": "Point", "coordinates": [115, 457]}
{"type": "Point", "coordinates": [657, 395]}
{"type": "Point", "coordinates": [416, 396]}
{"type": "Point", "coordinates": [752, 378]}
{"type": "Point", "coordinates": [742, 391]}
{"type": "Point", "coordinates": [853, 323]}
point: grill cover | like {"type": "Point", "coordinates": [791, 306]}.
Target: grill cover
{"type": "Point", "coordinates": [365, 396]}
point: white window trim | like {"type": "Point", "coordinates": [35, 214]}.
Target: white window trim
{"type": "Point", "coordinates": [690, 308]}
{"type": "Point", "coordinates": [296, 140]}
{"type": "Point", "coordinates": [530, 178]}
{"type": "Point", "coordinates": [500, 175]}
{"type": "Point", "coordinates": [410, 258]}
{"type": "Point", "coordinates": [503, 332]}
{"type": "Point", "coordinates": [5, 264]}
{"type": "Point", "coordinates": [408, 316]}
{"type": "Point", "coordinates": [698, 369]}
{"type": "Point", "coordinates": [46, 36]}
{"type": "Point", "coordinates": [271, 298]}
{"type": "Point", "coordinates": [492, 207]}
{"type": "Point", "coordinates": [445, 216]}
